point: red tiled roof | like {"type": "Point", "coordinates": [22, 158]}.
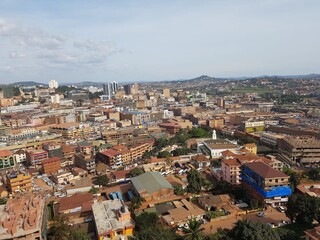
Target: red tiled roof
{"type": "Point", "coordinates": [265, 170]}
{"type": "Point", "coordinates": [110, 153]}
{"type": "Point", "coordinates": [5, 153]}
{"type": "Point", "coordinates": [76, 200]}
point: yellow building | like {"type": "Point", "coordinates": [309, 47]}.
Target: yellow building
{"type": "Point", "coordinates": [19, 182]}
{"type": "Point", "coordinates": [251, 147]}
{"type": "Point", "coordinates": [112, 219]}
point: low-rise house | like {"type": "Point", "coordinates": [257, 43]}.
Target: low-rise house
{"type": "Point", "coordinates": [218, 203]}
{"type": "Point", "coordinates": [152, 186]}
{"type": "Point", "coordinates": [182, 212]}
{"type": "Point", "coordinates": [77, 207]}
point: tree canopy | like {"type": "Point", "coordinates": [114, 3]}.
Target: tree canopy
{"type": "Point", "coordinates": [303, 208]}
{"type": "Point", "coordinates": [135, 172]}
{"type": "Point", "coordinates": [102, 180]}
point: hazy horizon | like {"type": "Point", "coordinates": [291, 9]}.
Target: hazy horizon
{"type": "Point", "coordinates": [127, 41]}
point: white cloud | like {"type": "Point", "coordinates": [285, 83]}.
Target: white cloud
{"type": "Point", "coordinates": [7, 69]}
{"type": "Point", "coordinates": [16, 55]}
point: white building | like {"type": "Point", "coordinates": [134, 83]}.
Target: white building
{"type": "Point", "coordinates": [55, 98]}
{"type": "Point", "coordinates": [53, 84]}
{"type": "Point", "coordinates": [214, 147]}
{"type": "Point", "coordinates": [20, 156]}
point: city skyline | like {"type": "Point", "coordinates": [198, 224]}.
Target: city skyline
{"type": "Point", "coordinates": [144, 41]}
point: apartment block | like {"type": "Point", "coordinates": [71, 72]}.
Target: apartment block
{"type": "Point", "coordinates": [7, 159]}
{"type": "Point", "coordinates": [51, 165]}
{"type": "Point", "coordinates": [86, 162]}
{"type": "Point", "coordinates": [18, 182]}
{"type": "Point", "coordinates": [265, 183]}
{"type": "Point", "coordinates": [36, 156]}
{"type": "Point", "coordinates": [300, 151]}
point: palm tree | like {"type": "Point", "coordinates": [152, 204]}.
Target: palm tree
{"type": "Point", "coordinates": [194, 230]}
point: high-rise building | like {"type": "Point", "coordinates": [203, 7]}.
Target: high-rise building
{"type": "Point", "coordinates": [107, 89]}
{"type": "Point", "coordinates": [127, 89]}
{"type": "Point", "coordinates": [53, 84]}
{"type": "Point", "coordinates": [114, 87]}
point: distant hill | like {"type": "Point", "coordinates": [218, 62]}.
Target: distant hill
{"type": "Point", "coordinates": [28, 83]}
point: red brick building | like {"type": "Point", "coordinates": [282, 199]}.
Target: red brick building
{"type": "Point", "coordinates": [51, 165]}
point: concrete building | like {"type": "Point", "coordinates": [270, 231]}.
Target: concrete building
{"type": "Point", "coordinates": [7, 159]}
{"type": "Point", "coordinates": [112, 220]}
{"type": "Point", "coordinates": [214, 147]}
{"type": "Point", "coordinates": [17, 182]}
{"type": "Point", "coordinates": [22, 218]}
{"type": "Point", "coordinates": [51, 165]}
{"type": "Point", "coordinates": [152, 186]}
{"type": "Point", "coordinates": [265, 183]}
{"type": "Point", "coordinates": [35, 156]}
{"type": "Point", "coordinates": [300, 151]}
{"type": "Point", "coordinates": [53, 84]}
{"type": "Point", "coordinates": [166, 92]}
{"type": "Point", "coordinates": [86, 162]}
{"type": "Point", "coordinates": [270, 139]}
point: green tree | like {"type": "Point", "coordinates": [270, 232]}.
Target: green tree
{"type": "Point", "coordinates": [136, 203]}
{"type": "Point", "coordinates": [194, 230]}
{"type": "Point", "coordinates": [303, 208]}
{"type": "Point", "coordinates": [135, 172]}
{"type": "Point", "coordinates": [147, 227]}
{"type": "Point", "coordinates": [102, 180]}
{"type": "Point", "coordinates": [178, 190]}
{"type": "Point", "coordinates": [287, 234]}
{"type": "Point", "coordinates": [59, 229]}
{"type": "Point", "coordinates": [294, 177]}
{"type": "Point", "coordinates": [195, 181]}
{"type": "Point", "coordinates": [79, 235]}
{"type": "Point", "coordinates": [164, 154]}
{"type": "Point", "coordinates": [314, 174]}
{"type": "Point", "coordinates": [247, 230]}
{"type": "Point", "coordinates": [254, 204]}
{"type": "Point", "coordinates": [3, 201]}
{"type": "Point", "coordinates": [94, 190]}
{"type": "Point", "coordinates": [198, 133]}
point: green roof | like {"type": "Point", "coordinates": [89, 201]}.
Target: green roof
{"type": "Point", "coordinates": [150, 182]}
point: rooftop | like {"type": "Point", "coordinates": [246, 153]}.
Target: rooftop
{"type": "Point", "coordinates": [265, 170]}
{"type": "Point", "coordinates": [150, 182]}
{"type": "Point", "coordinates": [75, 201]}
{"type": "Point", "coordinates": [5, 153]}
{"type": "Point", "coordinates": [21, 216]}
{"type": "Point", "coordinates": [111, 215]}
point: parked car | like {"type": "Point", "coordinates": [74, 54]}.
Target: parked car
{"type": "Point", "coordinates": [261, 214]}
{"type": "Point", "coordinates": [281, 209]}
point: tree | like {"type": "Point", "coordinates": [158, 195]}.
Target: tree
{"type": "Point", "coordinates": [294, 177]}
{"type": "Point", "coordinates": [254, 204]}
{"type": "Point", "coordinates": [247, 230]}
{"type": "Point", "coordinates": [198, 133]}
{"type": "Point", "coordinates": [94, 190]}
{"type": "Point", "coordinates": [59, 229]}
{"type": "Point", "coordinates": [303, 208]}
{"type": "Point", "coordinates": [147, 227]}
{"type": "Point", "coordinates": [102, 180]}
{"type": "Point", "coordinates": [178, 190]}
{"type": "Point", "coordinates": [3, 201]}
{"type": "Point", "coordinates": [194, 230]}
{"type": "Point", "coordinates": [136, 203]}
{"type": "Point", "coordinates": [135, 172]}
{"type": "Point", "coordinates": [79, 235]}
{"type": "Point", "coordinates": [195, 181]}
{"type": "Point", "coordinates": [164, 154]}
{"type": "Point", "coordinates": [314, 174]}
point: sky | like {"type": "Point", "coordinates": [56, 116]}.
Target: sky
{"type": "Point", "coordinates": [153, 40]}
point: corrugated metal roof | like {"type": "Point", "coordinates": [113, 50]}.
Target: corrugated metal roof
{"type": "Point", "coordinates": [150, 182]}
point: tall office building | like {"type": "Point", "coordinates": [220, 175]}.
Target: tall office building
{"type": "Point", "coordinates": [53, 84]}
{"type": "Point", "coordinates": [127, 89]}
{"type": "Point", "coordinates": [114, 87]}
{"type": "Point", "coordinates": [107, 89]}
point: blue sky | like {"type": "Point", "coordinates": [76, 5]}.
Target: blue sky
{"type": "Point", "coordinates": [75, 40]}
